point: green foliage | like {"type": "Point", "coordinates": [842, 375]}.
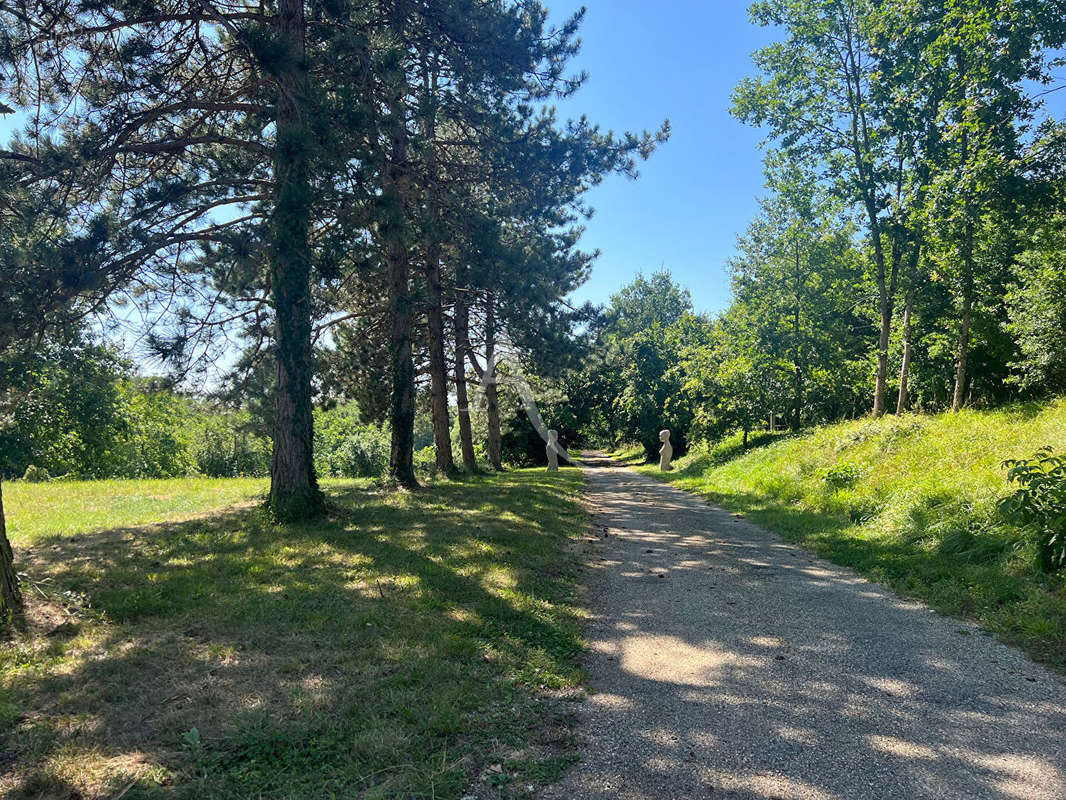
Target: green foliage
{"type": "Point", "coordinates": [843, 475]}
{"type": "Point", "coordinates": [226, 445]}
{"type": "Point", "coordinates": [1039, 504]}
{"type": "Point", "coordinates": [65, 409]}
{"type": "Point", "coordinates": [647, 301]}
{"type": "Point", "coordinates": [154, 440]}
{"type": "Point", "coordinates": [919, 118]}
{"type": "Point", "coordinates": [1037, 308]}
{"type": "Point", "coordinates": [35, 474]}
{"type": "Point", "coordinates": [346, 448]}
{"type": "Point", "coordinates": [651, 398]}
{"type": "Point", "coordinates": [632, 389]}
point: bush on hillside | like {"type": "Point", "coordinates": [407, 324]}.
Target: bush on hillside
{"type": "Point", "coordinates": [1039, 504]}
{"type": "Point", "coordinates": [842, 476]}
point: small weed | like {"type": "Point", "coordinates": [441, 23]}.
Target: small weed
{"type": "Point", "coordinates": [843, 475]}
{"type": "Point", "coordinates": [1039, 504]}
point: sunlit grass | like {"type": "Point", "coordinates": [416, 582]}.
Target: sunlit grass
{"type": "Point", "coordinates": [396, 650]}
{"type": "Point", "coordinates": [922, 515]}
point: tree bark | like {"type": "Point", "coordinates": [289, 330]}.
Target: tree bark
{"type": "Point", "coordinates": [397, 257]}
{"type": "Point", "coordinates": [488, 381]}
{"type": "Point", "coordinates": [438, 364]}
{"type": "Point", "coordinates": [294, 492]}
{"type": "Point", "coordinates": [796, 348]}
{"type": "Point", "coordinates": [462, 351]}
{"type": "Point", "coordinates": [10, 597]}
{"type": "Point", "coordinates": [438, 374]}
{"type": "Point", "coordinates": [959, 397]}
{"type": "Point", "coordinates": [905, 367]}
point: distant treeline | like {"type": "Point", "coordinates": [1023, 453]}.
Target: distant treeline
{"type": "Point", "coordinates": [910, 252]}
{"type": "Point", "coordinates": [84, 413]}
{"type": "Point", "coordinates": [656, 364]}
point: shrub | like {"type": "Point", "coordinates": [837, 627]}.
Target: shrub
{"type": "Point", "coordinates": [225, 451]}
{"type": "Point", "coordinates": [364, 453]}
{"type": "Point", "coordinates": [842, 476]}
{"type": "Point", "coordinates": [1039, 504]}
{"type": "Point", "coordinates": [425, 460]}
{"type": "Point", "coordinates": [35, 474]}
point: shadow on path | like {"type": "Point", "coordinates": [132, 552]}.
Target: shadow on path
{"type": "Point", "coordinates": [726, 663]}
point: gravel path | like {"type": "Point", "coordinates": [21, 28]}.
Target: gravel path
{"type": "Point", "coordinates": [726, 663]}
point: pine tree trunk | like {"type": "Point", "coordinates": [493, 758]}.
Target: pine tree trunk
{"type": "Point", "coordinates": [959, 397]}
{"type": "Point", "coordinates": [438, 363]}
{"type": "Point", "coordinates": [488, 381]}
{"type": "Point", "coordinates": [10, 597]}
{"type": "Point", "coordinates": [397, 258]}
{"type": "Point", "coordinates": [462, 350]}
{"type": "Point", "coordinates": [438, 375]}
{"type": "Point", "coordinates": [294, 492]}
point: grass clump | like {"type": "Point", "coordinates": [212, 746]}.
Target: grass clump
{"type": "Point", "coordinates": [400, 648]}
{"type": "Point", "coordinates": [913, 502]}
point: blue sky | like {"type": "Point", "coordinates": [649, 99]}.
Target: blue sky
{"type": "Point", "coordinates": [678, 60]}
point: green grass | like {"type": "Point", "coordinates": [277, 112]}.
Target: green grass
{"type": "Point", "coordinates": [188, 648]}
{"type": "Point", "coordinates": [921, 515]}
{"type": "Point", "coordinates": [64, 508]}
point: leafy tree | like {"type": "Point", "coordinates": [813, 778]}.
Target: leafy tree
{"type": "Point", "coordinates": [816, 98]}
{"type": "Point", "coordinates": [646, 301]}
{"type": "Point", "coordinates": [797, 276]}
{"type": "Point", "coordinates": [67, 418]}
{"type": "Point", "coordinates": [190, 141]}
{"type": "Point", "coordinates": [1037, 309]}
{"type": "Point", "coordinates": [652, 378]}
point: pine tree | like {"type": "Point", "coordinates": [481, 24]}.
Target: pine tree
{"type": "Point", "coordinates": [198, 138]}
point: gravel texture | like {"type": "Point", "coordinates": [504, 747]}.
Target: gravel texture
{"type": "Point", "coordinates": [726, 663]}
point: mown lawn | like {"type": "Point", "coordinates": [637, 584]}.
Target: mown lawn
{"type": "Point", "coordinates": [921, 516]}
{"type": "Point", "coordinates": [179, 645]}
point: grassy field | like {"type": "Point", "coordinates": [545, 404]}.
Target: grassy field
{"type": "Point", "coordinates": [178, 645]}
{"type": "Point", "coordinates": [921, 513]}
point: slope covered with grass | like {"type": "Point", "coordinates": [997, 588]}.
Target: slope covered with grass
{"type": "Point", "coordinates": [910, 501]}
{"type": "Point", "coordinates": [404, 647]}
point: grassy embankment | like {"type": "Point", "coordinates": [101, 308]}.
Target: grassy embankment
{"type": "Point", "coordinates": [921, 515]}
{"type": "Point", "coordinates": [178, 644]}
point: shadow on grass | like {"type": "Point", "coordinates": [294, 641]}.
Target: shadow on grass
{"type": "Point", "coordinates": [384, 650]}
{"type": "Point", "coordinates": [726, 451]}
